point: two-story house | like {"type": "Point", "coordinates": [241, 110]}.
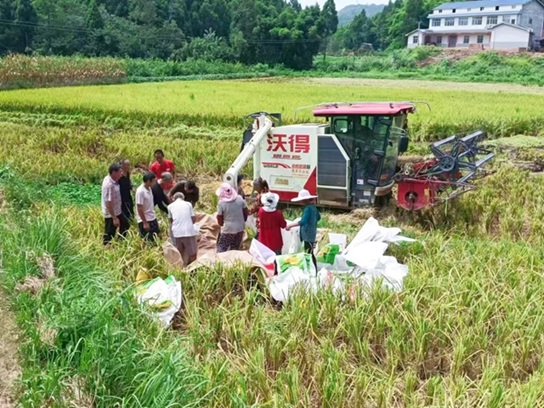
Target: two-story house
{"type": "Point", "coordinates": [485, 24]}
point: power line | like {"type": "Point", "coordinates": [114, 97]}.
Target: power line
{"type": "Point", "coordinates": [29, 24]}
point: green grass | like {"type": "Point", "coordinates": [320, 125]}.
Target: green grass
{"type": "Point", "coordinates": [83, 332]}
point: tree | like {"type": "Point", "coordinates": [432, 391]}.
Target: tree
{"type": "Point", "coordinates": [330, 19]}
{"type": "Point", "coordinates": [63, 27]}
{"type": "Point", "coordinates": [9, 34]}
{"type": "Point", "coordinates": [95, 24]}
{"type": "Point", "coordinates": [330, 16]}
{"type": "Point", "coordinates": [359, 32]}
{"type": "Point", "coordinates": [243, 30]}
{"type": "Point", "coordinates": [26, 19]}
{"type": "Point", "coordinates": [94, 19]}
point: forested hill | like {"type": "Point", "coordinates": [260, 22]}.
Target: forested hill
{"type": "Point", "coordinates": [249, 31]}
{"type": "Point", "coordinates": [348, 13]}
{"type": "Point", "coordinates": [274, 32]}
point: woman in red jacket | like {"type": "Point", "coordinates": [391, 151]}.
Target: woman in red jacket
{"type": "Point", "coordinates": [270, 222]}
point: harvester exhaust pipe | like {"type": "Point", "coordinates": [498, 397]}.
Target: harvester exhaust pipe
{"type": "Point", "coordinates": [231, 176]}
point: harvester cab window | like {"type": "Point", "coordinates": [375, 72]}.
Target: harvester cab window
{"type": "Point", "coordinates": [341, 125]}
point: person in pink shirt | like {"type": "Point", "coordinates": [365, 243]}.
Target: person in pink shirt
{"type": "Point", "coordinates": [162, 165]}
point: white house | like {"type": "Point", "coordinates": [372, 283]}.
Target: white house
{"type": "Point", "coordinates": [484, 24]}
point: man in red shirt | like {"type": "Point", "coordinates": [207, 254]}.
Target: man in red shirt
{"type": "Point", "coordinates": [162, 165]}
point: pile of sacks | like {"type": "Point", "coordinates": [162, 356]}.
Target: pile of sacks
{"type": "Point", "coordinates": [340, 267]}
{"type": "Point", "coordinates": [344, 269]}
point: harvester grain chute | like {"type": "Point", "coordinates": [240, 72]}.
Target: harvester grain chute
{"type": "Point", "coordinates": [351, 161]}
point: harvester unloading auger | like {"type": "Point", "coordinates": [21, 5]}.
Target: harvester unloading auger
{"type": "Point", "coordinates": [352, 161]}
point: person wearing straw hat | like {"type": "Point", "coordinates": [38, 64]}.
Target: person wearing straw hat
{"type": "Point", "coordinates": [308, 222]}
{"type": "Point", "coordinates": [270, 222]}
{"type": "Point", "coordinates": [231, 215]}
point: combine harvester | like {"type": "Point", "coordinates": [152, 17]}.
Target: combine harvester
{"type": "Point", "coordinates": [352, 160]}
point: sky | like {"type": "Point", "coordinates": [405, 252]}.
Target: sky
{"type": "Point", "coordinates": [342, 3]}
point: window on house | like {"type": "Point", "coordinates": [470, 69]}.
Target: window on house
{"type": "Point", "coordinates": [492, 20]}
{"type": "Point", "coordinates": [439, 39]}
{"type": "Point", "coordinates": [481, 9]}
{"type": "Point", "coordinates": [466, 39]}
{"type": "Point", "coordinates": [453, 11]}
{"type": "Point", "coordinates": [463, 21]}
{"type": "Point", "coordinates": [450, 21]}
{"type": "Point", "coordinates": [480, 39]}
{"type": "Point", "coordinates": [436, 22]}
{"type": "Point", "coordinates": [513, 21]}
{"type": "Point", "coordinates": [414, 39]}
{"type": "Point", "coordinates": [530, 21]}
{"type": "Point", "coordinates": [476, 20]}
{"type": "Point", "coordinates": [496, 8]}
{"type": "Point", "coordinates": [440, 11]}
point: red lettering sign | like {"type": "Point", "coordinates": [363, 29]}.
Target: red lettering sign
{"type": "Point", "coordinates": [295, 143]}
{"type": "Point", "coordinates": [299, 143]}
{"type": "Point", "coordinates": [276, 143]}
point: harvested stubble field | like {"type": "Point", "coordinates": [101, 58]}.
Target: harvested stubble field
{"type": "Point", "coordinates": [466, 331]}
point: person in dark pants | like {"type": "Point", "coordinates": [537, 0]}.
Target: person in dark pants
{"type": "Point", "coordinates": [231, 216]}
{"type": "Point", "coordinates": [189, 190]}
{"type": "Point", "coordinates": [160, 198]}
{"type": "Point", "coordinates": [147, 221]}
{"type": "Point", "coordinates": [114, 220]}
{"type": "Point", "coordinates": [125, 185]}
{"type": "Point", "coordinates": [308, 222]}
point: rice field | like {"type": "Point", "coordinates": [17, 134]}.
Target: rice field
{"type": "Point", "coordinates": [500, 112]}
{"type": "Point", "coordinates": [466, 331]}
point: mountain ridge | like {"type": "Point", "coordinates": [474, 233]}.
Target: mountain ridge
{"type": "Point", "coordinates": [348, 13]}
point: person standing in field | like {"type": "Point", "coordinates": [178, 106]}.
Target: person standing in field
{"type": "Point", "coordinates": [308, 222]}
{"type": "Point", "coordinates": [145, 215]}
{"type": "Point", "coordinates": [125, 186]}
{"type": "Point", "coordinates": [162, 165]}
{"type": "Point", "coordinates": [270, 222]}
{"type": "Point", "coordinates": [189, 190]}
{"type": "Point", "coordinates": [240, 179]}
{"type": "Point", "coordinates": [182, 220]}
{"type": "Point", "coordinates": [160, 197]}
{"type": "Point", "coordinates": [231, 215]}
{"type": "Point", "coordinates": [114, 220]}
{"type": "Point", "coordinates": [260, 187]}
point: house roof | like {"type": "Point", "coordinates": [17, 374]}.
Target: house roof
{"type": "Point", "coordinates": [372, 108]}
{"type": "Point", "coordinates": [415, 31]}
{"type": "Point", "coordinates": [514, 26]}
{"type": "Point", "coordinates": [468, 29]}
{"type": "Point", "coordinates": [480, 3]}
{"type": "Point", "coordinates": [454, 32]}
{"type": "Point", "coordinates": [477, 13]}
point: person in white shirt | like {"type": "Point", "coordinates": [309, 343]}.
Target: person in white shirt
{"type": "Point", "coordinates": [147, 221]}
{"type": "Point", "coordinates": [182, 219]}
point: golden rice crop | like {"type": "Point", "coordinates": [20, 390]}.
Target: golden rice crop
{"type": "Point", "coordinates": [224, 103]}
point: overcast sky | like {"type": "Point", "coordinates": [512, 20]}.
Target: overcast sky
{"type": "Point", "coordinates": [342, 3]}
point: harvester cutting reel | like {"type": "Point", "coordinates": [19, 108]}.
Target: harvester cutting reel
{"type": "Point", "coordinates": [456, 163]}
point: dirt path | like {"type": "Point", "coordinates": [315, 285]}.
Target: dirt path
{"type": "Point", "coordinates": [432, 85]}
{"type": "Point", "coordinates": [9, 367]}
